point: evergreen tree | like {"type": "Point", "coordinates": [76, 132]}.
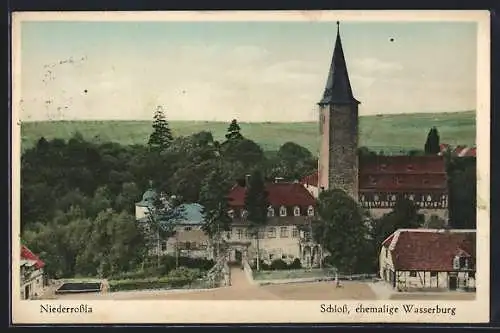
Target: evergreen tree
{"type": "Point", "coordinates": [161, 137]}
{"type": "Point", "coordinates": [432, 143]}
{"type": "Point", "coordinates": [233, 131]}
{"type": "Point", "coordinates": [256, 204]}
{"type": "Point", "coordinates": [213, 198]}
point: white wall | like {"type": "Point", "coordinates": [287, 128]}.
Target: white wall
{"type": "Point", "coordinates": [35, 283]}
{"type": "Point", "coordinates": [140, 212]}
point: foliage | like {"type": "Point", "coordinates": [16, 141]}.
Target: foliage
{"type": "Point", "coordinates": [341, 230]}
{"type": "Point", "coordinates": [278, 264]}
{"type": "Point", "coordinates": [161, 137]}
{"type": "Point", "coordinates": [233, 131]}
{"type": "Point", "coordinates": [292, 162]}
{"type": "Point", "coordinates": [213, 198]}
{"type": "Point", "coordinates": [432, 143]}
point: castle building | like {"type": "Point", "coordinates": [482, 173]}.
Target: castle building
{"type": "Point", "coordinates": [377, 182]}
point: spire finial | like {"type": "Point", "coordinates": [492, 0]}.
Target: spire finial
{"type": "Point", "coordinates": [338, 27]}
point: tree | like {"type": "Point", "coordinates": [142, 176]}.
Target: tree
{"type": "Point", "coordinates": [161, 137]}
{"type": "Point", "coordinates": [341, 230]}
{"type": "Point", "coordinates": [233, 131]}
{"type": "Point", "coordinates": [256, 204]}
{"type": "Point", "coordinates": [213, 198]}
{"type": "Point", "coordinates": [162, 218]}
{"type": "Point", "coordinates": [432, 143]}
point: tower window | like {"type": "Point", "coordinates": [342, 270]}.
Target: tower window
{"type": "Point", "coordinates": [282, 211]}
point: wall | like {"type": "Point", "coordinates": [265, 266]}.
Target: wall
{"type": "Point", "coordinates": [140, 212]}
{"type": "Point", "coordinates": [323, 161]}
{"type": "Point", "coordinates": [343, 150]}
{"type": "Point", "coordinates": [276, 246]}
{"type": "Point", "coordinates": [424, 280]}
{"type": "Point", "coordinates": [441, 213]}
{"type": "Point", "coordinates": [35, 283]}
{"type": "Point", "coordinates": [312, 189]}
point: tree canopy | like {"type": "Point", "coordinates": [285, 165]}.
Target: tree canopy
{"type": "Point", "coordinates": [161, 137]}
{"type": "Point", "coordinates": [432, 143]}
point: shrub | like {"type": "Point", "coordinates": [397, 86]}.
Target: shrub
{"type": "Point", "coordinates": [295, 264]}
{"type": "Point", "coordinates": [278, 264]}
{"type": "Point", "coordinates": [176, 278]}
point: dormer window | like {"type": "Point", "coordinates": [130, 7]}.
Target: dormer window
{"type": "Point", "coordinates": [310, 211]}
{"type": "Point", "coordinates": [270, 211]}
{"type": "Point", "coordinates": [373, 180]}
{"type": "Point", "coordinates": [244, 214]}
{"type": "Point", "coordinates": [460, 262]}
{"type": "Point", "coordinates": [383, 167]}
{"type": "Point", "coordinates": [296, 211]}
{"type": "Point", "coordinates": [230, 213]}
{"type": "Point", "coordinates": [409, 167]}
{"type": "Point", "coordinates": [282, 211]}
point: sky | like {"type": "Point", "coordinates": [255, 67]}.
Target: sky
{"type": "Point", "coordinates": [251, 71]}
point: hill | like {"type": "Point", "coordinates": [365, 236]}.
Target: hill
{"type": "Point", "coordinates": [391, 133]}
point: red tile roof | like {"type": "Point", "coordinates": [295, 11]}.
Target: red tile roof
{"type": "Point", "coordinates": [388, 241]}
{"type": "Point", "coordinates": [26, 254]}
{"type": "Point", "coordinates": [279, 194]}
{"type": "Point", "coordinates": [431, 250]}
{"type": "Point", "coordinates": [397, 173]}
{"type": "Point", "coordinates": [311, 179]}
{"type": "Point", "coordinates": [460, 151]}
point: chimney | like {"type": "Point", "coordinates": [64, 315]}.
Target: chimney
{"type": "Point", "coordinates": [247, 180]}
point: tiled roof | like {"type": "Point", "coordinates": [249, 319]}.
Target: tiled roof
{"type": "Point", "coordinates": [431, 250]}
{"type": "Point", "coordinates": [279, 194]}
{"type": "Point", "coordinates": [26, 254]}
{"type": "Point", "coordinates": [460, 151]}
{"type": "Point", "coordinates": [397, 173]}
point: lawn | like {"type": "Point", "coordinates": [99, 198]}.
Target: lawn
{"type": "Point", "coordinates": [290, 274]}
{"type": "Point", "coordinates": [391, 133]}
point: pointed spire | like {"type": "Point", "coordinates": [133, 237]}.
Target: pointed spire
{"type": "Point", "coordinates": [338, 87]}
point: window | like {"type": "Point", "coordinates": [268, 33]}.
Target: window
{"type": "Point", "coordinates": [373, 180]}
{"type": "Point", "coordinates": [261, 234]}
{"type": "Point", "coordinates": [248, 234]}
{"type": "Point", "coordinates": [413, 274]}
{"type": "Point", "coordinates": [296, 211]}
{"type": "Point", "coordinates": [310, 211]}
{"type": "Point", "coordinates": [283, 257]}
{"type": "Point", "coordinates": [187, 246]}
{"type": "Point", "coordinates": [434, 274]}
{"type": "Point", "coordinates": [271, 233]}
{"type": "Point", "coordinates": [383, 167]}
{"type": "Point", "coordinates": [244, 213]}
{"type": "Point", "coordinates": [164, 246]}
{"type": "Point", "coordinates": [239, 233]}
{"type": "Point", "coordinates": [229, 234]}
{"type": "Point", "coordinates": [386, 252]}
{"type": "Point", "coordinates": [270, 211]}
{"type": "Point", "coordinates": [187, 228]}
{"type": "Point", "coordinates": [375, 197]}
{"type": "Point", "coordinates": [412, 197]}
{"type": "Point", "coordinates": [429, 198]}
{"type": "Point", "coordinates": [271, 256]}
{"type": "Point", "coordinates": [284, 232]}
{"type": "Point", "coordinates": [409, 167]}
{"type": "Point", "coordinates": [295, 232]}
{"type": "Point", "coordinates": [472, 275]}
{"type": "Point", "coordinates": [282, 211]}
{"type": "Point", "coordinates": [230, 213]}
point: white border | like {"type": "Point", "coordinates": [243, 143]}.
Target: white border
{"type": "Point", "coordinates": [262, 311]}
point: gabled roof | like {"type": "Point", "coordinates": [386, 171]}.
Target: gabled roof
{"type": "Point", "coordinates": [27, 255]}
{"type": "Point", "coordinates": [338, 87]}
{"type": "Point", "coordinates": [430, 249]}
{"type": "Point", "coordinates": [279, 194]}
{"type": "Point", "coordinates": [460, 151]}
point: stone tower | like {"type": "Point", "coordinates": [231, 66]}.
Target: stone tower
{"type": "Point", "coordinates": [338, 110]}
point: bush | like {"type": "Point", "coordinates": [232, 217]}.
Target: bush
{"type": "Point", "coordinates": [295, 264]}
{"type": "Point", "coordinates": [278, 264]}
{"type": "Point", "coordinates": [176, 278]}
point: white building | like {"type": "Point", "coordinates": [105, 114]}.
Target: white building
{"type": "Point", "coordinates": [429, 259]}
{"type": "Point", "coordinates": [285, 236]}
{"type": "Point", "coordinates": [188, 240]}
{"type": "Point", "coordinates": [32, 277]}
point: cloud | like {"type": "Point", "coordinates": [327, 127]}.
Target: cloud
{"type": "Point", "coordinates": [374, 65]}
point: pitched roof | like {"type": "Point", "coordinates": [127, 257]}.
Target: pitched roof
{"type": "Point", "coordinates": [338, 87]}
{"type": "Point", "coordinates": [310, 180]}
{"type": "Point", "coordinates": [430, 249]}
{"type": "Point", "coordinates": [26, 254]}
{"type": "Point", "coordinates": [380, 164]}
{"type": "Point", "coordinates": [460, 151]}
{"type": "Point", "coordinates": [279, 194]}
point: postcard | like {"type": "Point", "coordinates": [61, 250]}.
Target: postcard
{"type": "Point", "coordinates": [250, 167]}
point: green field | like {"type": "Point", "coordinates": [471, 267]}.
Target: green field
{"type": "Point", "coordinates": [391, 133]}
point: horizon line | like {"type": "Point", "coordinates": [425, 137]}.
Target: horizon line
{"type": "Point", "coordinates": [246, 122]}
